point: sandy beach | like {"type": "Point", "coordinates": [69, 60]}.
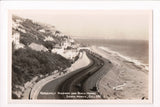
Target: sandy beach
{"type": "Point", "coordinates": [124, 81]}
{"type": "Point", "coordinates": [120, 79]}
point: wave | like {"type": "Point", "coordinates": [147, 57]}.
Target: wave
{"type": "Point", "coordinates": [135, 62]}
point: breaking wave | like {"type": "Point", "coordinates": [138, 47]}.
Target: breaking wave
{"type": "Point", "coordinates": [135, 62]}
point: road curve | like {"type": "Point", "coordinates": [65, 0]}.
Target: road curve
{"type": "Point", "coordinates": [83, 81]}
{"type": "Point", "coordinates": [76, 82]}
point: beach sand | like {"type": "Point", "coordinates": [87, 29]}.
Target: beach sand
{"type": "Point", "coordinates": [124, 81]}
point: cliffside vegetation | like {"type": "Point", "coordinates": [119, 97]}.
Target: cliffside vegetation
{"type": "Point", "coordinates": [28, 63]}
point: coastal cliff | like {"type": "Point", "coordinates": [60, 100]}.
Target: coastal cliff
{"type": "Point", "coordinates": [38, 50]}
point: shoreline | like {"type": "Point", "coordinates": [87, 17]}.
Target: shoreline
{"type": "Point", "coordinates": [124, 81]}
{"type": "Point", "coordinates": [127, 58]}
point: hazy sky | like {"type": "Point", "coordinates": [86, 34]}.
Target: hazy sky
{"type": "Point", "coordinates": [102, 24]}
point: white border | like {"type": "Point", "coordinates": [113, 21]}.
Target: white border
{"type": "Point", "coordinates": [80, 101]}
{"type": "Point", "coordinates": [5, 6]}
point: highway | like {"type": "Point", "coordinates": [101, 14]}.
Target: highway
{"type": "Point", "coordinates": [80, 84]}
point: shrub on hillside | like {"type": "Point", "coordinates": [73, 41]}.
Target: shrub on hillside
{"type": "Point", "coordinates": [28, 63]}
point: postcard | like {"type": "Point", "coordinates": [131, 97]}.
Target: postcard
{"type": "Point", "coordinates": [80, 55]}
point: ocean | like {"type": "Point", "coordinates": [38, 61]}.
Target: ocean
{"type": "Point", "coordinates": [137, 50]}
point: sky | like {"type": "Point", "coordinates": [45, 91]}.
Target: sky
{"type": "Point", "coordinates": [96, 24]}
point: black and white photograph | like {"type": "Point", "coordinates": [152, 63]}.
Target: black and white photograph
{"type": "Point", "coordinates": [81, 55]}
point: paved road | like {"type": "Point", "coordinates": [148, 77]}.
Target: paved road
{"type": "Point", "coordinates": [80, 84]}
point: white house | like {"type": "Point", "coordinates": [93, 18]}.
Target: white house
{"type": "Point", "coordinates": [49, 38]}
{"type": "Point", "coordinates": [42, 30]}
{"type": "Point", "coordinates": [18, 20]}
{"type": "Point", "coordinates": [65, 44]}
{"type": "Point", "coordinates": [15, 40]}
{"type": "Point", "coordinates": [68, 54]}
{"type": "Point", "coordinates": [58, 51]}
{"type": "Point", "coordinates": [72, 40]}
{"type": "Point", "coordinates": [59, 34]}
{"type": "Point", "coordinates": [15, 25]}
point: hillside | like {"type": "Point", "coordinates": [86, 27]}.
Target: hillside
{"type": "Point", "coordinates": [38, 50]}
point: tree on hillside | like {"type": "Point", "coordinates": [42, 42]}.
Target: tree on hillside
{"type": "Point", "coordinates": [49, 45]}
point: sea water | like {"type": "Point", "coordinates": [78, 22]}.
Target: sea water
{"type": "Point", "coordinates": [136, 51]}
